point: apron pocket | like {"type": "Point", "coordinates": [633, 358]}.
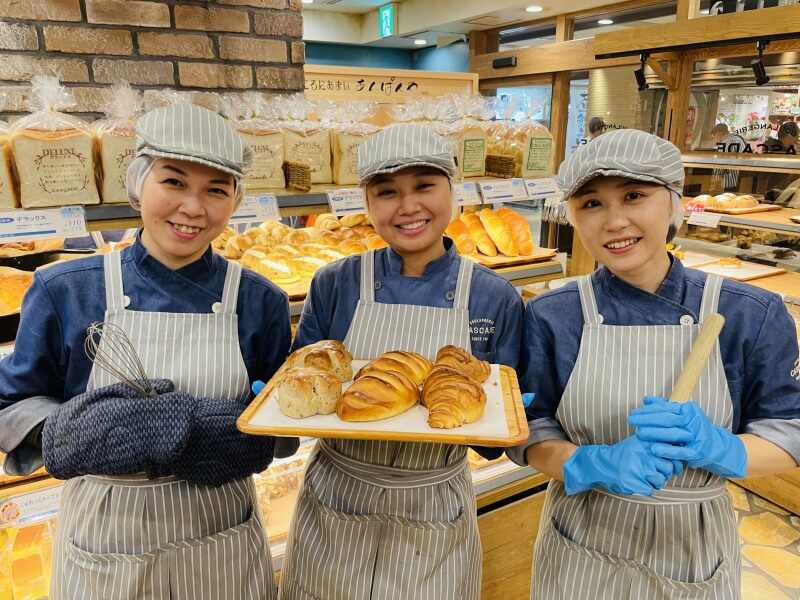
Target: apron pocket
{"type": "Point", "coordinates": [565, 569]}
{"type": "Point", "coordinates": [120, 576]}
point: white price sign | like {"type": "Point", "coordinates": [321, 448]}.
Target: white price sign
{"type": "Point", "coordinates": [541, 188]}
{"type": "Point", "coordinates": [467, 193]}
{"type": "Point", "coordinates": [705, 219]}
{"type": "Point", "coordinates": [503, 190]}
{"type": "Point", "coordinates": [263, 207]}
{"type": "Point", "coordinates": [23, 225]}
{"type": "Point", "coordinates": [347, 201]}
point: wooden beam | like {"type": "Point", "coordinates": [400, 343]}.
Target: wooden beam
{"type": "Point", "coordinates": [749, 49]}
{"type": "Point", "coordinates": [678, 103]}
{"type": "Point", "coordinates": [687, 9]}
{"type": "Point", "coordinates": [559, 117]}
{"type": "Point", "coordinates": [483, 42]}
{"type": "Point", "coordinates": [782, 20]}
{"type": "Point", "coordinates": [565, 28]}
{"type": "Point", "coordinates": [667, 77]}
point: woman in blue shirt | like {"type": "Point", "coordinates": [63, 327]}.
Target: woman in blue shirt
{"type": "Point", "coordinates": [637, 507]}
{"type": "Point", "coordinates": [396, 520]}
{"type": "Point", "coordinates": [159, 502]}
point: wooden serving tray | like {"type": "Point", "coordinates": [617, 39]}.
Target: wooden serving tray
{"type": "Point", "coordinates": [747, 271]}
{"type": "Point", "coordinates": [496, 262]}
{"type": "Point", "coordinates": [263, 417]}
{"type": "Point", "coordinates": [744, 211]}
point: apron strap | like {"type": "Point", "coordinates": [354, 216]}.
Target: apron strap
{"type": "Point", "coordinates": [711, 292]}
{"type": "Point", "coordinates": [368, 276]}
{"type": "Point", "coordinates": [230, 293]}
{"type": "Point", "coordinates": [591, 316]}
{"type": "Point", "coordinates": [112, 267]}
{"type": "Point", "coordinates": [463, 284]}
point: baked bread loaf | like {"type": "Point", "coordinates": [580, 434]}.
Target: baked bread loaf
{"type": "Point", "coordinates": [351, 247]}
{"type": "Point", "coordinates": [478, 234]}
{"type": "Point", "coordinates": [8, 196]}
{"type": "Point", "coordinates": [297, 236]}
{"type": "Point", "coordinates": [325, 355]}
{"type": "Point", "coordinates": [305, 392]}
{"type": "Point", "coordinates": [306, 266]}
{"type": "Point", "coordinates": [375, 242]}
{"type": "Point", "coordinates": [462, 361]}
{"type": "Point", "coordinates": [452, 398]}
{"type": "Point", "coordinates": [457, 232]}
{"type": "Point", "coordinates": [117, 149]}
{"type": "Point", "coordinates": [499, 231]}
{"type": "Point", "coordinates": [378, 395]}
{"type": "Point", "coordinates": [311, 147]}
{"type": "Point", "coordinates": [276, 231]}
{"type": "Point", "coordinates": [520, 230]}
{"type": "Point", "coordinates": [414, 366]}
{"type": "Point", "coordinates": [266, 172]}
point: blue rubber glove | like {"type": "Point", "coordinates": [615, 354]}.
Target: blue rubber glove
{"type": "Point", "coordinates": [684, 432]}
{"type": "Point", "coordinates": [527, 399]}
{"type": "Point", "coordinates": [627, 467]}
{"type": "Point", "coordinates": [257, 386]}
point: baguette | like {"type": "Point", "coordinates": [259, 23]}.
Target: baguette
{"type": "Point", "coordinates": [499, 231]}
{"type": "Point", "coordinates": [520, 230]}
{"type": "Point", "coordinates": [478, 234]}
{"type": "Point", "coordinates": [457, 232]}
{"type": "Point", "coordinates": [379, 395]}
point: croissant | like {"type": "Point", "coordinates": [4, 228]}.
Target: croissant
{"type": "Point", "coordinates": [462, 361]}
{"type": "Point", "coordinates": [478, 234]}
{"type": "Point", "coordinates": [457, 232]}
{"type": "Point", "coordinates": [327, 221]}
{"type": "Point", "coordinates": [297, 236]}
{"type": "Point", "coordinates": [414, 366]}
{"type": "Point", "coordinates": [353, 220]}
{"type": "Point", "coordinates": [520, 229]}
{"type": "Point", "coordinates": [452, 399]}
{"type": "Point", "coordinates": [499, 231]}
{"type": "Point", "coordinates": [379, 395]}
{"type": "Point", "coordinates": [375, 242]}
{"type": "Point", "coordinates": [351, 247]}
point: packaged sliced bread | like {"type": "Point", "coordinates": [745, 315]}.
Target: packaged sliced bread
{"type": "Point", "coordinates": [116, 138]}
{"type": "Point", "coordinates": [8, 195]}
{"type": "Point", "coordinates": [528, 142]}
{"type": "Point", "coordinates": [309, 143]}
{"type": "Point", "coordinates": [470, 142]}
{"type": "Point", "coordinates": [349, 130]}
{"type": "Point", "coordinates": [53, 152]}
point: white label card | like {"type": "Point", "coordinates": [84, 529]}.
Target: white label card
{"type": "Point", "coordinates": [263, 207]}
{"type": "Point", "coordinates": [467, 193]}
{"type": "Point", "coordinates": [544, 187]}
{"type": "Point", "coordinates": [705, 219]}
{"type": "Point", "coordinates": [24, 225]}
{"type": "Point", "coordinates": [503, 190]}
{"type": "Point", "coordinates": [31, 507]}
{"type": "Point", "coordinates": [347, 201]}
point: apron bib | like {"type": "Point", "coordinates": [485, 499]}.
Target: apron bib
{"type": "Point", "coordinates": [382, 520]}
{"type": "Point", "coordinates": [166, 539]}
{"type": "Point", "coordinates": [682, 541]}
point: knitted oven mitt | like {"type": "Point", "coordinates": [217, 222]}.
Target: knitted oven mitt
{"type": "Point", "coordinates": [115, 430]}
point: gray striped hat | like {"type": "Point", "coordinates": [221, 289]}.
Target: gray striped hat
{"type": "Point", "coordinates": [401, 146]}
{"type": "Point", "coordinates": [193, 133]}
{"type": "Point", "coordinates": [629, 153]}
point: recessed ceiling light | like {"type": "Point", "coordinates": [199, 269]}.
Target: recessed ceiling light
{"type": "Point", "coordinates": [308, 1]}
{"type": "Point", "coordinates": [420, 42]}
{"type": "Point", "coordinates": [534, 8]}
{"type": "Point", "coordinates": [605, 22]}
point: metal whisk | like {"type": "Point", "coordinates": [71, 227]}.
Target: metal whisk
{"type": "Point", "coordinates": [117, 356]}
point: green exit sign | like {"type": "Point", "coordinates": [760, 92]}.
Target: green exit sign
{"type": "Point", "coordinates": [387, 20]}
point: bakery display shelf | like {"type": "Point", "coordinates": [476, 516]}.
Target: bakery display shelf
{"type": "Point", "coordinates": [779, 221]}
{"type": "Point", "coordinates": [743, 162]}
{"type": "Point", "coordinates": [756, 253]}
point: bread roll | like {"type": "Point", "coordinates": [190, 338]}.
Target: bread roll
{"type": "Point", "coordinates": [327, 221]}
{"type": "Point", "coordinates": [478, 234]}
{"type": "Point", "coordinates": [287, 249]}
{"type": "Point", "coordinates": [276, 231]}
{"type": "Point", "coordinates": [462, 361]}
{"type": "Point", "coordinates": [351, 247]}
{"type": "Point", "coordinates": [253, 256]}
{"type": "Point", "coordinates": [330, 255]}
{"type": "Point", "coordinates": [297, 237]}
{"type": "Point", "coordinates": [277, 271]}
{"type": "Point", "coordinates": [117, 149]}
{"type": "Point", "coordinates": [326, 355]}
{"type": "Point", "coordinates": [13, 285]}
{"type": "Point", "coordinates": [379, 395]}
{"type": "Point", "coordinates": [236, 246]}
{"type": "Point", "coordinates": [745, 201]}
{"type": "Point", "coordinates": [457, 232]}
{"type": "Point", "coordinates": [257, 236]}
{"type": "Point", "coordinates": [306, 266]}
{"type": "Point", "coordinates": [221, 240]}
{"type": "Point", "coordinates": [452, 398]}
{"type": "Point", "coordinates": [364, 230]}
{"type": "Point", "coordinates": [353, 220]}
{"type": "Point", "coordinates": [520, 230]}
{"type": "Point", "coordinates": [414, 366]}
{"type": "Point", "coordinates": [305, 392]}
{"type": "Point", "coordinates": [499, 231]}
{"type": "Point", "coordinates": [375, 242]}
{"type": "Point", "coordinates": [313, 148]}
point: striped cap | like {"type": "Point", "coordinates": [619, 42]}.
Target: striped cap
{"type": "Point", "coordinates": [626, 153]}
{"type": "Point", "coordinates": [401, 146]}
{"type": "Point", "coordinates": [193, 133]}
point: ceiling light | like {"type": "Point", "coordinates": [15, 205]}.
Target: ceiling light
{"type": "Point", "coordinates": [605, 22]}
{"type": "Point", "coordinates": [534, 8]}
{"type": "Point", "coordinates": [420, 42]}
{"type": "Point", "coordinates": [308, 1]}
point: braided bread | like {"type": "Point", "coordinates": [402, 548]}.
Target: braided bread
{"type": "Point", "coordinates": [414, 366]}
{"type": "Point", "coordinates": [462, 361]}
{"type": "Point", "coordinates": [452, 398]}
{"type": "Point", "coordinates": [378, 395]}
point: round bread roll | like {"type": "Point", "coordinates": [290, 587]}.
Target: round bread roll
{"type": "Point", "coordinates": [745, 201]}
{"type": "Point", "coordinates": [236, 246]}
{"type": "Point", "coordinates": [297, 236]}
{"type": "Point", "coordinates": [353, 220]}
{"type": "Point", "coordinates": [462, 361]}
{"type": "Point", "coordinates": [327, 221]}
{"type": "Point", "coordinates": [702, 199]}
{"type": "Point", "coordinates": [306, 266]}
{"type": "Point", "coordinates": [304, 392]}
{"type": "Point", "coordinates": [276, 231]}
{"type": "Point", "coordinates": [379, 395]}
{"type": "Point", "coordinates": [414, 366]}
{"type": "Point", "coordinates": [325, 355]}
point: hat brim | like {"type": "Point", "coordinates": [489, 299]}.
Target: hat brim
{"type": "Point", "coordinates": [577, 185]}
{"type": "Point", "coordinates": [189, 158]}
{"type": "Point", "coordinates": [394, 168]}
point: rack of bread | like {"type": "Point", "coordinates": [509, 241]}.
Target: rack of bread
{"type": "Point", "coordinates": [729, 203]}
{"type": "Point", "coordinates": [320, 391]}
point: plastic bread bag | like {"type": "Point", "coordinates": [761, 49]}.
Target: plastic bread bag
{"type": "Point", "coordinates": [350, 128]}
{"type": "Point", "coordinates": [531, 145]}
{"type": "Point", "coordinates": [306, 141]}
{"type": "Point", "coordinates": [116, 141]}
{"type": "Point", "coordinates": [264, 137]}
{"type": "Point", "coordinates": [467, 134]}
{"type": "Point", "coordinates": [8, 193]}
{"type": "Point", "coordinates": [53, 152]}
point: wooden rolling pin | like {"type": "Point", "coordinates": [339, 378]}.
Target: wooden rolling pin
{"type": "Point", "coordinates": [697, 359]}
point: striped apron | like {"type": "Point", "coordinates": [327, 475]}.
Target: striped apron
{"type": "Point", "coordinates": [682, 541]}
{"type": "Point", "coordinates": [382, 520]}
{"type": "Point", "coordinates": [166, 539]}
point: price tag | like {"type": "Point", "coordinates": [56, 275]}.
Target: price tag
{"type": "Point", "coordinates": [503, 190]}
{"type": "Point", "coordinates": [23, 225]}
{"type": "Point", "coordinates": [545, 187]}
{"type": "Point", "coordinates": [705, 219]}
{"type": "Point", "coordinates": [263, 207]}
{"type": "Point", "coordinates": [467, 193]}
{"type": "Point", "coordinates": [347, 201]}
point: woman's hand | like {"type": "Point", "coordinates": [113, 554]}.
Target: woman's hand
{"type": "Point", "coordinates": [683, 432]}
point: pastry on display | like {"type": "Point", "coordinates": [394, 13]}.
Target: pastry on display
{"type": "Point", "coordinates": [462, 361]}
{"type": "Point", "coordinates": [116, 136]}
{"type": "Point", "coordinates": [452, 398]}
{"type": "Point", "coordinates": [458, 232]}
{"type": "Point", "coordinates": [478, 234]}
{"type": "Point", "coordinates": [499, 231]}
{"type": "Point", "coordinates": [726, 201]}
{"type": "Point", "coordinates": [304, 392]}
{"type": "Point", "coordinates": [376, 396]}
{"type": "Point", "coordinates": [345, 140]}
{"type": "Point", "coordinates": [520, 230]}
{"type": "Point", "coordinates": [8, 195]}
{"type": "Point", "coordinates": [13, 285]}
{"type": "Point", "coordinates": [730, 262]}
{"type": "Point", "coordinates": [414, 366]}
{"type": "Point", "coordinates": [325, 355]}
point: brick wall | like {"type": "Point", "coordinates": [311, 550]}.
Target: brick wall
{"type": "Point", "coordinates": [226, 46]}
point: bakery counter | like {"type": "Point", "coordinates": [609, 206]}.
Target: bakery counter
{"type": "Point", "coordinates": [778, 221]}
{"type": "Point", "coordinates": [778, 163]}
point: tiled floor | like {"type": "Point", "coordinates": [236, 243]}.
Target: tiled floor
{"type": "Point", "coordinates": [770, 539]}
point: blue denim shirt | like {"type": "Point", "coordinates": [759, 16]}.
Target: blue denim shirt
{"type": "Point", "coordinates": [758, 346]}
{"type": "Point", "coordinates": [49, 365]}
